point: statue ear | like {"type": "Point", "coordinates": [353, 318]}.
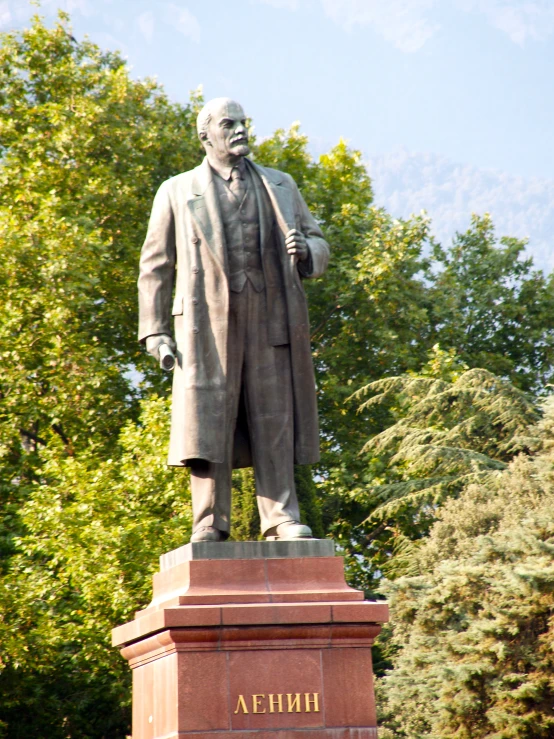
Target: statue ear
{"type": "Point", "coordinates": [203, 136]}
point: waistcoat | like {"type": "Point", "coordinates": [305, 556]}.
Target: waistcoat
{"type": "Point", "coordinates": [241, 222]}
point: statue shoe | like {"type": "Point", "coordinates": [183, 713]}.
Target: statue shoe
{"type": "Point", "coordinates": [292, 530]}
{"type": "Point", "coordinates": [207, 533]}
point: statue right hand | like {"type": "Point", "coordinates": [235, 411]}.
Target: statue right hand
{"type": "Point", "coordinates": [154, 342]}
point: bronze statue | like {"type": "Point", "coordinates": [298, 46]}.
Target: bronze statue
{"type": "Point", "coordinates": [234, 240]}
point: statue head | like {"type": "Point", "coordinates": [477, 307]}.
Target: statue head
{"type": "Point", "coordinates": [221, 126]}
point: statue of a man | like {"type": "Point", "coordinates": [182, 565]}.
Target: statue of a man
{"type": "Point", "coordinates": [234, 240]}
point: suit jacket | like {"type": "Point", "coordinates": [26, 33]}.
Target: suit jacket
{"type": "Point", "coordinates": [185, 253]}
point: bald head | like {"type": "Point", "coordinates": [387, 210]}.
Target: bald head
{"type": "Point", "coordinates": [221, 126]}
{"type": "Point", "coordinates": [214, 107]}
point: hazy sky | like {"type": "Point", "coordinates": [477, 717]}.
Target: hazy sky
{"type": "Point", "coordinates": [471, 80]}
{"type": "Point", "coordinates": [450, 101]}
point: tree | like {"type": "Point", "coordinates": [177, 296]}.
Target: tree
{"type": "Point", "coordinates": [475, 625]}
{"type": "Point", "coordinates": [84, 503]}
{"type": "Point", "coordinates": [83, 149]}
{"type": "Point", "coordinates": [92, 531]}
{"type": "Point", "coordinates": [493, 307]}
{"type": "Point", "coordinates": [383, 305]}
{"type": "Point", "coordinates": [450, 426]}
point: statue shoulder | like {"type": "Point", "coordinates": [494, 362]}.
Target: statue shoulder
{"type": "Point", "coordinates": [180, 180]}
{"type": "Point", "coordinates": [178, 186]}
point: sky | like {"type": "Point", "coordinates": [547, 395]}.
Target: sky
{"type": "Point", "coordinates": [457, 89]}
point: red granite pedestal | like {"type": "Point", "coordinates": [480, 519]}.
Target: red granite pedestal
{"type": "Point", "coordinates": [272, 647]}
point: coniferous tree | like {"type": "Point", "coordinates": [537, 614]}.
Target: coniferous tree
{"type": "Point", "coordinates": [472, 633]}
{"type": "Point", "coordinates": [449, 426]}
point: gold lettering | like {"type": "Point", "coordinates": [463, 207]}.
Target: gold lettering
{"type": "Point", "coordinates": [312, 701]}
{"type": "Point", "coordinates": [256, 702]}
{"type": "Point", "coordinates": [241, 704]}
{"type": "Point", "coordinates": [293, 704]}
{"type": "Point", "coordinates": [275, 701]}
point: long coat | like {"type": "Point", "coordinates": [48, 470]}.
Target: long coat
{"type": "Point", "coordinates": [185, 250]}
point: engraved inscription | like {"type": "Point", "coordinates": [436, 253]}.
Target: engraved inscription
{"type": "Point", "coordinates": [275, 703]}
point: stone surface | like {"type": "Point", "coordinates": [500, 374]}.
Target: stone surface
{"type": "Point", "coordinates": [247, 550]}
{"type": "Point", "coordinates": [279, 674]}
{"type": "Point", "coordinates": [348, 678]}
{"type": "Point", "coordinates": [369, 733]}
{"type": "Point", "coordinates": [220, 582]}
{"type": "Point", "coordinates": [290, 661]}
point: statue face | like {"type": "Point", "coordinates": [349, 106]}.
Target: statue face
{"type": "Point", "coordinates": [227, 135]}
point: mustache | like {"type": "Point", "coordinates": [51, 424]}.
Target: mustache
{"type": "Point", "coordinates": [242, 137]}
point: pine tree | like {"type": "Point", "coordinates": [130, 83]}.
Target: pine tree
{"type": "Point", "coordinates": [450, 426]}
{"type": "Point", "coordinates": [472, 633]}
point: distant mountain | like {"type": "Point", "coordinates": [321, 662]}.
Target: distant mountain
{"type": "Point", "coordinates": [407, 183]}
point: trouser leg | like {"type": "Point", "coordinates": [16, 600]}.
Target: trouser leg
{"type": "Point", "coordinates": [267, 383]}
{"type": "Point", "coordinates": [210, 483]}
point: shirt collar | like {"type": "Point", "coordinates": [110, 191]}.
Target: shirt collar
{"type": "Point", "coordinates": [224, 171]}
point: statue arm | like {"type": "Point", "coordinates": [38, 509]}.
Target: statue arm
{"type": "Point", "coordinates": [317, 262]}
{"type": "Point", "coordinates": [157, 269]}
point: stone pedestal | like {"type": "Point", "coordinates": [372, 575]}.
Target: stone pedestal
{"type": "Point", "coordinates": [253, 639]}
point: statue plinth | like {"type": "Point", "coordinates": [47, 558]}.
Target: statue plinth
{"type": "Point", "coordinates": [261, 639]}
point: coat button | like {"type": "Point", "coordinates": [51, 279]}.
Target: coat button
{"type": "Point", "coordinates": [195, 329]}
{"type": "Point", "coordinates": [195, 239]}
{"type": "Point", "coordinates": [195, 270]}
{"type": "Point", "coordinates": [195, 301]}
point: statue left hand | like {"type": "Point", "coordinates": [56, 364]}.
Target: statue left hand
{"type": "Point", "coordinates": [296, 244]}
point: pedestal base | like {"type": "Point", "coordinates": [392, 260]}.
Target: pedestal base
{"type": "Point", "coordinates": [273, 647]}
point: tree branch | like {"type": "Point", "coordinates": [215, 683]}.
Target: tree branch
{"type": "Point", "coordinates": [322, 323]}
{"type": "Point", "coordinates": [32, 437]}
{"type": "Point", "coordinates": [375, 533]}
{"type": "Point", "coordinates": [58, 429]}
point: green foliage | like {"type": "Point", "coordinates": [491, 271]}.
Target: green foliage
{"type": "Point", "coordinates": [93, 530]}
{"type": "Point", "coordinates": [492, 306]}
{"type": "Point", "coordinates": [450, 427]}
{"type": "Point", "coordinates": [448, 435]}
{"type": "Point", "coordinates": [245, 518]}
{"type": "Point", "coordinates": [475, 626]}
{"type": "Point", "coordinates": [83, 150]}
{"type": "Point", "coordinates": [287, 151]}
{"type": "Point", "coordinates": [84, 516]}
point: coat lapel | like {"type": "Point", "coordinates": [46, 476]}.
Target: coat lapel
{"type": "Point", "coordinates": [262, 202]}
{"type": "Point", "coordinates": [206, 214]}
{"type": "Point", "coordinates": [283, 206]}
{"type": "Point", "coordinates": [280, 197]}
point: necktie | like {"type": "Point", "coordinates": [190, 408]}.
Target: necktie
{"type": "Point", "coordinates": [238, 185]}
